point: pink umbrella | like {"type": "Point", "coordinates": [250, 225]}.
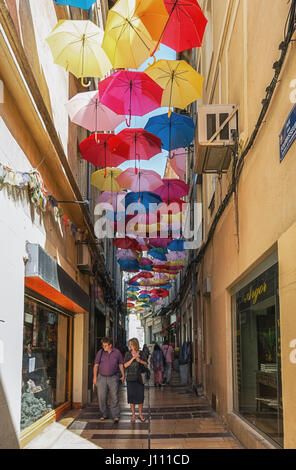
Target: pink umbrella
{"type": "Point", "coordinates": [178, 162]}
{"type": "Point", "coordinates": [127, 254]}
{"type": "Point", "coordinates": [130, 93]}
{"type": "Point", "coordinates": [159, 242]}
{"type": "Point", "coordinates": [145, 262]}
{"type": "Point", "coordinates": [143, 180]}
{"type": "Point", "coordinates": [172, 189]}
{"type": "Point", "coordinates": [115, 199]}
{"type": "Point", "coordinates": [86, 110]}
{"type": "Point", "coordinates": [176, 255]}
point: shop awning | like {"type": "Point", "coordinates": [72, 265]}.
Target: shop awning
{"type": "Point", "coordinates": [44, 276]}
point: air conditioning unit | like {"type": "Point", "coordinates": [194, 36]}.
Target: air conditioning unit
{"type": "Point", "coordinates": [206, 286]}
{"type": "Point", "coordinates": [84, 263]}
{"type": "Point", "coordinates": [216, 127]}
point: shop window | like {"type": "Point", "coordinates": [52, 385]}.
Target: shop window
{"type": "Point", "coordinates": [257, 357]}
{"type": "Point", "coordinates": [45, 361]}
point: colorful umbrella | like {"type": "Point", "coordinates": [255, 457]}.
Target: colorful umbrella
{"type": "Point", "coordinates": [142, 145]}
{"type": "Point", "coordinates": [145, 262]}
{"type": "Point", "coordinates": [130, 93]}
{"type": "Point", "coordinates": [95, 149]}
{"type": "Point", "coordinates": [133, 288]}
{"type": "Point", "coordinates": [159, 242]}
{"type": "Point", "coordinates": [84, 4]}
{"type": "Point", "coordinates": [128, 265]}
{"type": "Point", "coordinates": [185, 27]}
{"type": "Point", "coordinates": [130, 29]}
{"type": "Point", "coordinates": [144, 198]}
{"type": "Point", "coordinates": [86, 110]}
{"type": "Point", "coordinates": [172, 188]}
{"type": "Point", "coordinates": [176, 245]}
{"type": "Point", "coordinates": [105, 179]}
{"type": "Point", "coordinates": [155, 254]}
{"type": "Point", "coordinates": [178, 162]}
{"type": "Point", "coordinates": [181, 83]}
{"type": "Point", "coordinates": [76, 46]}
{"type": "Point", "coordinates": [129, 304]}
{"type": "Point", "coordinates": [116, 200]}
{"type": "Point", "coordinates": [126, 243]}
{"type": "Point", "coordinates": [176, 255]}
{"type": "Point", "coordinates": [175, 131]}
{"type": "Point", "coordinates": [126, 254]}
{"type": "Point", "coordinates": [143, 180]}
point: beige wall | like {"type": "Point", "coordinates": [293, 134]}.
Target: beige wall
{"type": "Point", "coordinates": [246, 36]}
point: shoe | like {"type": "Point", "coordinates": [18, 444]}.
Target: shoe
{"type": "Point", "coordinates": [116, 420]}
{"type": "Point", "coordinates": [133, 420]}
{"type": "Point", "coordinates": [142, 419]}
{"type": "Point", "coordinates": [103, 418]}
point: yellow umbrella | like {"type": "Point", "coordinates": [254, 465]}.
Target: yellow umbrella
{"type": "Point", "coordinates": [132, 31]}
{"type": "Point", "coordinates": [105, 179]}
{"type": "Point", "coordinates": [76, 46]}
{"type": "Point", "coordinates": [181, 83]}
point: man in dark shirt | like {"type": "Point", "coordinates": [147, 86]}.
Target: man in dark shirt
{"type": "Point", "coordinates": [107, 364]}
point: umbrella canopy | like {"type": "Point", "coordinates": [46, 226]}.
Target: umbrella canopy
{"type": "Point", "coordinates": [114, 199]}
{"type": "Point", "coordinates": [155, 254]}
{"type": "Point", "coordinates": [128, 265]}
{"type": "Point", "coordinates": [126, 243]}
{"type": "Point", "coordinates": [126, 254]}
{"type": "Point", "coordinates": [176, 245]}
{"type": "Point", "coordinates": [129, 304]}
{"type": "Point", "coordinates": [86, 110]}
{"type": "Point", "coordinates": [130, 93]}
{"type": "Point", "coordinates": [186, 25]}
{"type": "Point", "coordinates": [175, 131]}
{"type": "Point", "coordinates": [145, 198]}
{"type": "Point", "coordinates": [84, 4]}
{"type": "Point", "coordinates": [172, 188]}
{"type": "Point", "coordinates": [181, 83]}
{"type": "Point", "coordinates": [143, 180]}
{"type": "Point", "coordinates": [176, 255]}
{"type": "Point", "coordinates": [131, 32]}
{"type": "Point", "coordinates": [133, 288]}
{"type": "Point", "coordinates": [159, 242]}
{"type": "Point", "coordinates": [178, 162]}
{"type": "Point", "coordinates": [95, 149]}
{"type": "Point", "coordinates": [145, 262]}
{"type": "Point", "coordinates": [135, 144]}
{"type": "Point", "coordinates": [76, 46]}
{"type": "Point", "coordinates": [105, 179]}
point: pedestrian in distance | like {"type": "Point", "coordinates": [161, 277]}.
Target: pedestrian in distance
{"type": "Point", "coordinates": [157, 365]}
{"type": "Point", "coordinates": [168, 353]}
{"type": "Point", "coordinates": [108, 370]}
{"type": "Point", "coordinates": [134, 362]}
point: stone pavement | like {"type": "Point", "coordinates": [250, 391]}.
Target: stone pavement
{"type": "Point", "coordinates": [176, 419]}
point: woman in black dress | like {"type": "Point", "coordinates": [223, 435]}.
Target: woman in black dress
{"type": "Point", "coordinates": [133, 361]}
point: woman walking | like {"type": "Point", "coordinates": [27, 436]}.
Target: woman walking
{"type": "Point", "coordinates": [157, 365]}
{"type": "Point", "coordinates": [133, 361]}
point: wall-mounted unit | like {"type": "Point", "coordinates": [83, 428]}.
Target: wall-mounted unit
{"type": "Point", "coordinates": [84, 263]}
{"type": "Point", "coordinates": [206, 286]}
{"type": "Point", "coordinates": [216, 127]}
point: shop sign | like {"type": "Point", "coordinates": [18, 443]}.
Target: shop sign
{"type": "Point", "coordinates": [288, 134]}
{"type": "Point", "coordinates": [253, 293]}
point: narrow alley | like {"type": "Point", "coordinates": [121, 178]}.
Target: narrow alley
{"type": "Point", "coordinates": [176, 418]}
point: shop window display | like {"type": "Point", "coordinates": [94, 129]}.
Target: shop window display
{"type": "Point", "coordinates": [45, 361]}
{"type": "Point", "coordinates": [257, 356]}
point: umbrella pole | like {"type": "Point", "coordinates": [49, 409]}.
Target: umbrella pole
{"type": "Point", "coordinates": [170, 136]}
{"type": "Point", "coordinates": [85, 85]}
{"type": "Point", "coordinates": [105, 143]}
{"type": "Point", "coordinates": [96, 131]}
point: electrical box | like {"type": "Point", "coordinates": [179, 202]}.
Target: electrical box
{"type": "Point", "coordinates": [206, 286]}
{"type": "Point", "coordinates": [84, 263]}
{"type": "Point", "coordinates": [216, 127]}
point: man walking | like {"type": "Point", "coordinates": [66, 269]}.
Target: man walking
{"type": "Point", "coordinates": [108, 363]}
{"type": "Point", "coordinates": [168, 353]}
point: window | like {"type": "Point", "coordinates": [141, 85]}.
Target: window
{"type": "Point", "coordinates": [257, 356]}
{"type": "Point", "coordinates": [45, 361]}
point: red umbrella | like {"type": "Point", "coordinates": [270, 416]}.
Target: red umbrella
{"type": "Point", "coordinates": [95, 149]}
{"type": "Point", "coordinates": [172, 188]}
{"type": "Point", "coordinates": [130, 93]}
{"type": "Point", "coordinates": [129, 304]}
{"type": "Point", "coordinates": [160, 292]}
{"type": "Point", "coordinates": [143, 274]}
{"type": "Point", "coordinates": [141, 144]}
{"type": "Point", "coordinates": [159, 242]}
{"type": "Point", "coordinates": [185, 27]}
{"type": "Point", "coordinates": [127, 243]}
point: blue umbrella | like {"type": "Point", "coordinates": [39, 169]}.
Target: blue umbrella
{"type": "Point", "coordinates": [146, 268]}
{"type": "Point", "coordinates": [157, 255]}
{"type": "Point", "coordinates": [144, 296]}
{"type": "Point", "coordinates": [128, 265]}
{"type": "Point", "coordinates": [133, 288]}
{"type": "Point", "coordinates": [145, 198]}
{"type": "Point", "coordinates": [84, 4]}
{"type": "Point", "coordinates": [176, 245]}
{"type": "Point", "coordinates": [175, 132]}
